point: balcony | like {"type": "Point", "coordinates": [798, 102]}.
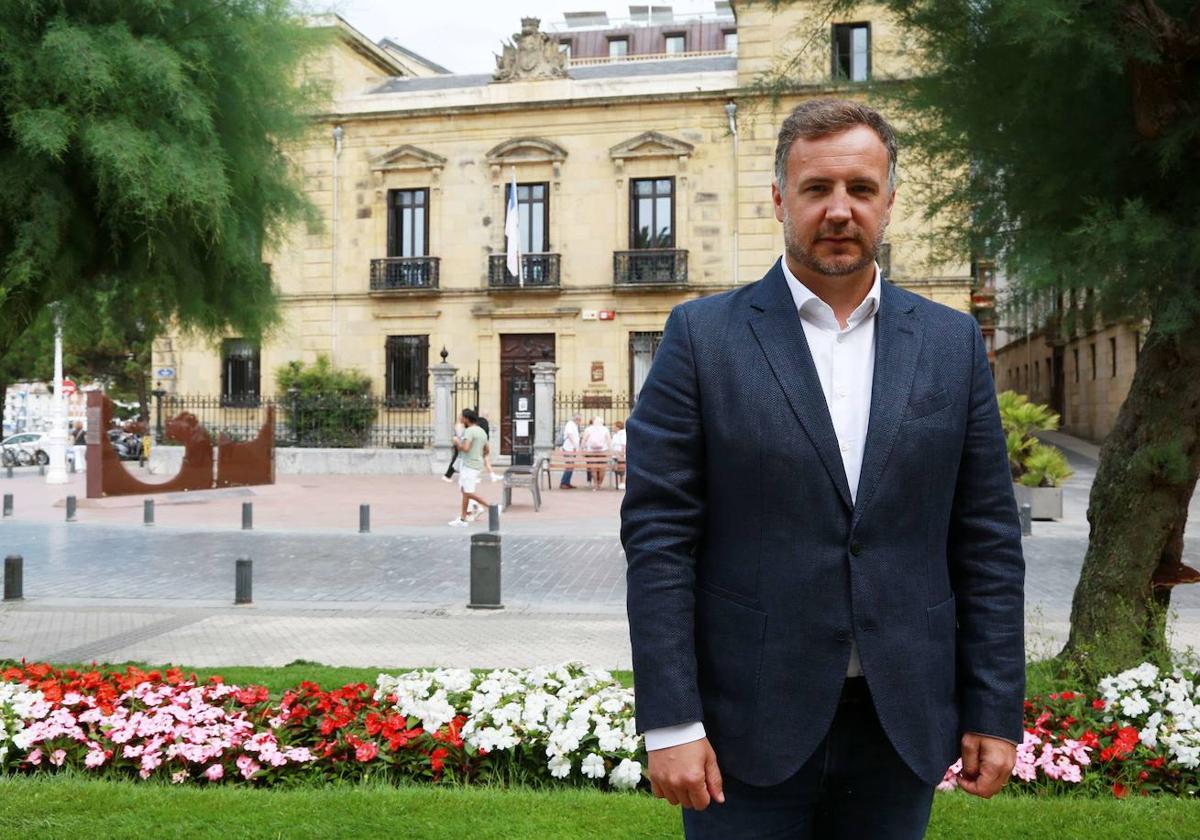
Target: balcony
{"type": "Point", "coordinates": [650, 267]}
{"type": "Point", "coordinates": [403, 274]}
{"type": "Point", "coordinates": [540, 272]}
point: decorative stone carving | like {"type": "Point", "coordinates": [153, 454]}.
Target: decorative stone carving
{"type": "Point", "coordinates": [531, 55]}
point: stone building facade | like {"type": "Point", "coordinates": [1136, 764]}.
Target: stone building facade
{"type": "Point", "coordinates": [642, 181]}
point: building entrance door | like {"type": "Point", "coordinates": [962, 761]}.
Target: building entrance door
{"type": "Point", "coordinates": [518, 354]}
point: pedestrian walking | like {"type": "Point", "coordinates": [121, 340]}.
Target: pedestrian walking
{"type": "Point", "coordinates": [618, 453]}
{"type": "Point", "coordinates": [570, 448]}
{"type": "Point", "coordinates": [472, 443]}
{"type": "Point", "coordinates": [825, 576]}
{"type": "Point", "coordinates": [595, 440]}
{"type": "Point", "coordinates": [79, 446]}
{"type": "Point", "coordinates": [487, 462]}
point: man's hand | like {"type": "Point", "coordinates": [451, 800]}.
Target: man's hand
{"type": "Point", "coordinates": [686, 775]}
{"type": "Point", "coordinates": [986, 764]}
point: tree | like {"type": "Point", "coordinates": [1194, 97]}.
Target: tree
{"type": "Point", "coordinates": [142, 160]}
{"type": "Point", "coordinates": [1063, 136]}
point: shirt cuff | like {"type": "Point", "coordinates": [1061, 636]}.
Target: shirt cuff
{"type": "Point", "coordinates": [997, 737]}
{"type": "Point", "coordinates": [673, 736]}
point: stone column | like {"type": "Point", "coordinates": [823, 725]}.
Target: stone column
{"type": "Point", "coordinates": [443, 413]}
{"type": "Point", "coordinates": [543, 406]}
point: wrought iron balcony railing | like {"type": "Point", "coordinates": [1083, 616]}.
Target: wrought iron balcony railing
{"type": "Point", "coordinates": [540, 271]}
{"type": "Point", "coordinates": [402, 273]}
{"type": "Point", "coordinates": [650, 267]}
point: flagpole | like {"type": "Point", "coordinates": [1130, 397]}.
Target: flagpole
{"type": "Point", "coordinates": [520, 262]}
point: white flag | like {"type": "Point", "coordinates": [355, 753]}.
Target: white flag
{"type": "Point", "coordinates": [512, 230]}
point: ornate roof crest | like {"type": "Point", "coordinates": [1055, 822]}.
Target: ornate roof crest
{"type": "Point", "coordinates": [532, 55]}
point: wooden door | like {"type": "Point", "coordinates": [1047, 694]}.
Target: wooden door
{"type": "Point", "coordinates": [518, 354]}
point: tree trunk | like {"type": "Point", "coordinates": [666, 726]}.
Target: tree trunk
{"type": "Point", "coordinates": [1138, 509]}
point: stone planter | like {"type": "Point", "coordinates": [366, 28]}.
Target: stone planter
{"type": "Point", "coordinates": [1046, 502]}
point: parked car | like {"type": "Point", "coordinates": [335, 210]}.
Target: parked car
{"type": "Point", "coordinates": [32, 443]}
{"type": "Point", "coordinates": [127, 445]}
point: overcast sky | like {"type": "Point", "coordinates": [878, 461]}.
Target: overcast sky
{"type": "Point", "coordinates": [462, 35]}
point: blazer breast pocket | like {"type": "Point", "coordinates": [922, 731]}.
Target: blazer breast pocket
{"type": "Point", "coordinates": [926, 406]}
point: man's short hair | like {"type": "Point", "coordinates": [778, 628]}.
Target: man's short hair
{"type": "Point", "coordinates": [471, 415]}
{"type": "Point", "coordinates": [823, 117]}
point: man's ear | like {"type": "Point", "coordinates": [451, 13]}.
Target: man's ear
{"type": "Point", "coordinates": [777, 200]}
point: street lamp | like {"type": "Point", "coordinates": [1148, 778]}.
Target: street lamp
{"type": "Point", "coordinates": [57, 450]}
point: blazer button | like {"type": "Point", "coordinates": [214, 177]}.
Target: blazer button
{"type": "Point", "coordinates": [856, 548]}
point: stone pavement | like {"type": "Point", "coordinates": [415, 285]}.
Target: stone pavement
{"type": "Point", "coordinates": [107, 588]}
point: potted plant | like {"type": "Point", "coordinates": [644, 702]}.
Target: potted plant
{"type": "Point", "coordinates": [1038, 470]}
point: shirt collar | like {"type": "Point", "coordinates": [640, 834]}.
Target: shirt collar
{"type": "Point", "coordinates": [818, 312]}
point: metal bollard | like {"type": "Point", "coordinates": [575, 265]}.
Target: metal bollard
{"type": "Point", "coordinates": [364, 519]}
{"type": "Point", "coordinates": [247, 516]}
{"type": "Point", "coordinates": [1026, 519]}
{"type": "Point", "coordinates": [13, 577]}
{"type": "Point", "coordinates": [243, 577]}
{"type": "Point", "coordinates": [148, 512]}
{"type": "Point", "coordinates": [8, 504]}
{"type": "Point", "coordinates": [8, 470]}
{"type": "Point", "coordinates": [41, 469]}
{"type": "Point", "coordinates": [493, 518]}
{"type": "Point", "coordinates": [485, 572]}
{"type": "Point", "coordinates": [70, 508]}
{"type": "Point", "coordinates": [71, 465]}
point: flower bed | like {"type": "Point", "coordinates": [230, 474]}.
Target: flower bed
{"type": "Point", "coordinates": [1139, 733]}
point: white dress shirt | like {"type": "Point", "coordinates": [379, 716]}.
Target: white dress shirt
{"type": "Point", "coordinates": [845, 362]}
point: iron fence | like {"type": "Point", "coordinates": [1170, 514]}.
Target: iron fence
{"type": "Point", "coordinates": [650, 266]}
{"type": "Point", "coordinates": [341, 421]}
{"type": "Point", "coordinates": [399, 273]}
{"type": "Point", "coordinates": [539, 271]}
{"type": "Point", "coordinates": [608, 407]}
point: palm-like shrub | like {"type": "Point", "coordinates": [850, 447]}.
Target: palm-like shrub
{"type": "Point", "coordinates": [1033, 464]}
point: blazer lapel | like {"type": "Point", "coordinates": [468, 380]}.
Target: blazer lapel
{"type": "Point", "coordinates": [898, 336]}
{"type": "Point", "coordinates": [776, 326]}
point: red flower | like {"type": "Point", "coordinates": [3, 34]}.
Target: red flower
{"type": "Point", "coordinates": [437, 758]}
{"type": "Point", "coordinates": [1155, 763]}
{"type": "Point", "coordinates": [366, 752]}
{"type": "Point", "coordinates": [1068, 695]}
{"type": "Point", "coordinates": [1119, 790]}
{"type": "Point", "coordinates": [1097, 704]}
{"type": "Point", "coordinates": [1143, 776]}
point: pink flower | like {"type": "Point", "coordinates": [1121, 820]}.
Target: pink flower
{"type": "Point", "coordinates": [34, 758]}
{"type": "Point", "coordinates": [58, 757]}
{"type": "Point", "coordinates": [179, 777]}
{"type": "Point", "coordinates": [247, 765]}
{"type": "Point", "coordinates": [366, 752]}
{"type": "Point", "coordinates": [214, 773]}
{"type": "Point", "coordinates": [95, 758]}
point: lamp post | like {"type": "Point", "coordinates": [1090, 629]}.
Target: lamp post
{"type": "Point", "coordinates": [57, 472]}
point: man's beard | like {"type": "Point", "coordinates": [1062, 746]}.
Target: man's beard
{"type": "Point", "coordinates": [796, 250]}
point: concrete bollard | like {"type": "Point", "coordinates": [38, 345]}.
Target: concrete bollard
{"type": "Point", "coordinates": [247, 516]}
{"type": "Point", "coordinates": [243, 581]}
{"type": "Point", "coordinates": [71, 465]}
{"type": "Point", "coordinates": [70, 508]}
{"type": "Point", "coordinates": [13, 577]}
{"type": "Point", "coordinates": [485, 572]}
{"type": "Point", "coordinates": [8, 470]}
{"type": "Point", "coordinates": [148, 512]}
{"type": "Point", "coordinates": [8, 504]}
{"type": "Point", "coordinates": [364, 519]}
{"type": "Point", "coordinates": [493, 518]}
{"type": "Point", "coordinates": [1026, 519]}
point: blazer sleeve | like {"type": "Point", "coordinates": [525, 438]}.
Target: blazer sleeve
{"type": "Point", "coordinates": [987, 570]}
{"type": "Point", "coordinates": [662, 519]}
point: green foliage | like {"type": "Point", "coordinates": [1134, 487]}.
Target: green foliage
{"type": "Point", "coordinates": [1045, 466]}
{"type": "Point", "coordinates": [326, 406]}
{"type": "Point", "coordinates": [1166, 464]}
{"type": "Point", "coordinates": [142, 156]}
{"type": "Point", "coordinates": [1032, 463]}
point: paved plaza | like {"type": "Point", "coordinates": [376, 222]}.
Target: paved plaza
{"type": "Point", "coordinates": [107, 588]}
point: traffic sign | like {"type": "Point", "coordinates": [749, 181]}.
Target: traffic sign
{"type": "Point", "coordinates": [68, 387]}
{"type": "Point", "coordinates": [164, 373]}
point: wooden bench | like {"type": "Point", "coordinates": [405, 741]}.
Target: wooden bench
{"type": "Point", "coordinates": [560, 461]}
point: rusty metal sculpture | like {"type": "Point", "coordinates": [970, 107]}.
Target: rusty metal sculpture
{"type": "Point", "coordinates": [244, 463]}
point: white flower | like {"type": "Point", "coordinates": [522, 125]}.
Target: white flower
{"type": "Point", "coordinates": [560, 766]}
{"type": "Point", "coordinates": [626, 775]}
{"type": "Point", "coordinates": [1134, 705]}
{"type": "Point", "coordinates": [593, 766]}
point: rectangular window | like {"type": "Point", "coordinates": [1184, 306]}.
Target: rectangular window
{"type": "Point", "coordinates": [1037, 376]}
{"type": "Point", "coordinates": [852, 52]}
{"type": "Point", "coordinates": [1049, 373]}
{"type": "Point", "coordinates": [652, 214]}
{"type": "Point", "coordinates": [1112, 352]}
{"type": "Point", "coordinates": [1026, 388]}
{"type": "Point", "coordinates": [564, 47]}
{"type": "Point", "coordinates": [618, 47]}
{"type": "Point", "coordinates": [408, 223]}
{"type": "Point", "coordinates": [730, 42]}
{"type": "Point", "coordinates": [1075, 353]}
{"type": "Point", "coordinates": [676, 44]}
{"type": "Point", "coordinates": [407, 373]}
{"type": "Point", "coordinates": [642, 347]}
{"type": "Point", "coordinates": [1092, 348]}
{"type": "Point", "coordinates": [533, 213]}
{"type": "Point", "coordinates": [240, 372]}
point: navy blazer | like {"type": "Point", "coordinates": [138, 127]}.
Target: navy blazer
{"type": "Point", "coordinates": [750, 569]}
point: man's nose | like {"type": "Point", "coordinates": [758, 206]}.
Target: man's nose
{"type": "Point", "coordinates": [838, 210]}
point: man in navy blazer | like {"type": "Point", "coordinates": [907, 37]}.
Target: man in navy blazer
{"type": "Point", "coordinates": [825, 579]}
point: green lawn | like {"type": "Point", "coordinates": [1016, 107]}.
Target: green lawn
{"type": "Point", "coordinates": [71, 806]}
